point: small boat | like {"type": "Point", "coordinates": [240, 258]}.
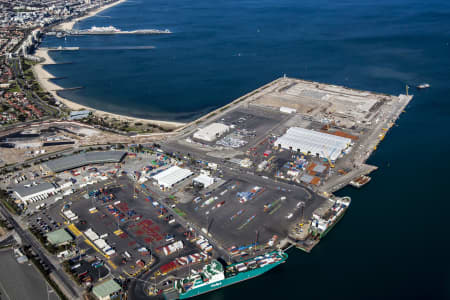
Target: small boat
{"type": "Point", "coordinates": [423, 86]}
{"type": "Point", "coordinates": [360, 181]}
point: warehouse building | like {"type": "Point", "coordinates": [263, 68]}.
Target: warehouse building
{"type": "Point", "coordinates": [313, 142]}
{"type": "Point", "coordinates": [211, 132]}
{"type": "Point", "coordinates": [59, 237]}
{"type": "Point", "coordinates": [83, 159]}
{"type": "Point", "coordinates": [79, 115]}
{"type": "Point", "coordinates": [35, 192]}
{"type": "Point", "coordinates": [107, 290]}
{"type": "Point", "coordinates": [203, 181]}
{"type": "Point", "coordinates": [173, 175]}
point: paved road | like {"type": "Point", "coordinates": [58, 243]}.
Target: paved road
{"type": "Point", "coordinates": [18, 73]}
{"type": "Point", "coordinates": [22, 275]}
{"type": "Point", "coordinates": [53, 265]}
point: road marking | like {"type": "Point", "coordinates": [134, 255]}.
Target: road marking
{"type": "Point", "coordinates": [111, 264]}
{"type": "Point", "coordinates": [95, 247]}
{"type": "Point", "coordinates": [4, 291]}
{"type": "Point", "coordinates": [118, 232]}
{"type": "Point", "coordinates": [74, 230]}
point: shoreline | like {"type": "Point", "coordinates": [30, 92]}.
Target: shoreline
{"type": "Point", "coordinates": [69, 24]}
{"type": "Point", "coordinates": [44, 79]}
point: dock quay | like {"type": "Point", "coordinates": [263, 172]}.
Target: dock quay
{"type": "Point", "coordinates": [62, 63]}
{"type": "Point", "coordinates": [108, 30]}
{"type": "Point", "coordinates": [69, 89]}
{"type": "Point", "coordinates": [221, 196]}
{"type": "Point", "coordinates": [143, 31]}
{"type": "Point", "coordinates": [72, 88]}
{"type": "Point", "coordinates": [60, 48]}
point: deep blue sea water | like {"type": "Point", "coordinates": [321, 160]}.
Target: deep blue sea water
{"type": "Point", "coordinates": [394, 242]}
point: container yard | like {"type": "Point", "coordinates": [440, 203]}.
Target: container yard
{"type": "Point", "coordinates": [218, 200]}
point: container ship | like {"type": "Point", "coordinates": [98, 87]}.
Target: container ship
{"type": "Point", "coordinates": [215, 276]}
{"type": "Point", "coordinates": [322, 224]}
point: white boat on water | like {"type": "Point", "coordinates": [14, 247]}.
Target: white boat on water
{"type": "Point", "coordinates": [423, 86]}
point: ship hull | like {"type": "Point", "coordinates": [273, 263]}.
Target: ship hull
{"type": "Point", "coordinates": [231, 280]}
{"type": "Point", "coordinates": [323, 234]}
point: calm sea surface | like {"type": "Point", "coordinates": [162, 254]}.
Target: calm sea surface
{"type": "Point", "coordinates": [394, 242]}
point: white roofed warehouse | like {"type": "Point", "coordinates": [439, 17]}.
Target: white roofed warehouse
{"type": "Point", "coordinates": [34, 192]}
{"type": "Point", "coordinates": [203, 180]}
{"type": "Point", "coordinates": [173, 175]}
{"type": "Point", "coordinates": [211, 132]}
{"type": "Point", "coordinates": [313, 142]}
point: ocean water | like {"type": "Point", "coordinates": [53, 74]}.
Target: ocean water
{"type": "Point", "coordinates": [394, 242]}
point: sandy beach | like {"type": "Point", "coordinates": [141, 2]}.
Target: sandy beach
{"type": "Point", "coordinates": [69, 25]}
{"type": "Point", "coordinates": [44, 77]}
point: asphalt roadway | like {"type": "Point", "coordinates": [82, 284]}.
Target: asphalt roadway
{"type": "Point", "coordinates": [27, 238]}
{"type": "Point", "coordinates": [233, 229]}
{"type": "Point", "coordinates": [18, 276]}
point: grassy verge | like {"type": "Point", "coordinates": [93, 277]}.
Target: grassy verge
{"type": "Point", "coordinates": [49, 247]}
{"type": "Point", "coordinates": [9, 204]}
{"type": "Point", "coordinates": [14, 88]}
{"type": "Point", "coordinates": [68, 270]}
{"type": "Point", "coordinates": [179, 212]}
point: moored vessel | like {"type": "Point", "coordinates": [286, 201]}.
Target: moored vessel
{"type": "Point", "coordinates": [360, 181]}
{"type": "Point", "coordinates": [215, 275]}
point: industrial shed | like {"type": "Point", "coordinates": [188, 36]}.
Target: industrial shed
{"type": "Point", "coordinates": [83, 159]}
{"type": "Point", "coordinates": [80, 114]}
{"type": "Point", "coordinates": [203, 180]}
{"type": "Point", "coordinates": [168, 178]}
{"type": "Point", "coordinates": [313, 142]}
{"type": "Point", "coordinates": [31, 192]}
{"type": "Point", "coordinates": [106, 290]}
{"type": "Point", "coordinates": [211, 132]}
{"type": "Point", "coordinates": [59, 237]}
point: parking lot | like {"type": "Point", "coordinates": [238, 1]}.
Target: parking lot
{"type": "Point", "coordinates": [247, 126]}
{"type": "Point", "coordinates": [234, 221]}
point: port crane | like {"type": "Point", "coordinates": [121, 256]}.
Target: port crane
{"type": "Point", "coordinates": [328, 160]}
